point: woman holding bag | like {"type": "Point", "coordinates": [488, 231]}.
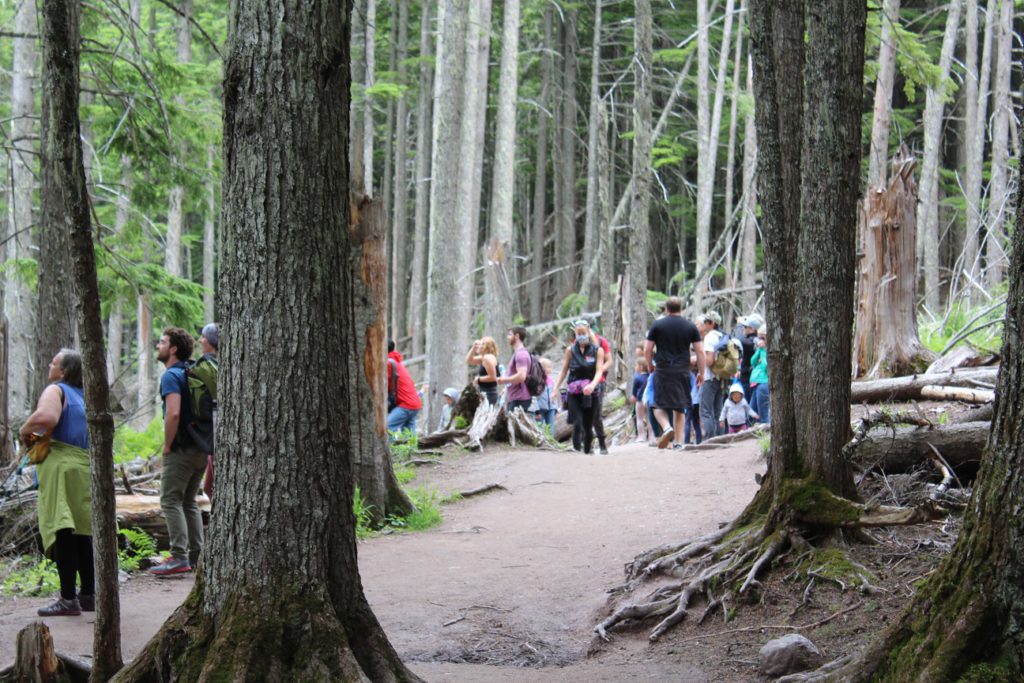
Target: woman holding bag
{"type": "Point", "coordinates": [65, 522]}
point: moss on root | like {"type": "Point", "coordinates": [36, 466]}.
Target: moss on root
{"type": "Point", "coordinates": [811, 502]}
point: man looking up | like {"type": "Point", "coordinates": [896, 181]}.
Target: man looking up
{"type": "Point", "coordinates": [518, 395]}
{"type": "Point", "coordinates": [183, 464]}
{"type": "Point", "coordinates": [668, 346]}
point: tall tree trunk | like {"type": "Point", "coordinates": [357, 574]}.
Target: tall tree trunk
{"type": "Point", "coordinates": [606, 233]}
{"type": "Point", "coordinates": [565, 169]}
{"type": "Point", "coordinates": [730, 155]}
{"type": "Point", "coordinates": [540, 179]}
{"type": "Point", "coordinates": [358, 73]}
{"type": "Point", "coordinates": [387, 177]}
{"type": "Point", "coordinates": [591, 230]}
{"type": "Point", "coordinates": [500, 270]}
{"type": "Point", "coordinates": [400, 284]}
{"type": "Point", "coordinates": [705, 153]}
{"type": "Point", "coordinates": [879, 152]}
{"type": "Point", "coordinates": [976, 94]}
{"type": "Point", "coordinates": [303, 615]}
{"type": "Point", "coordinates": [115, 323]}
{"type": "Point", "coordinates": [418, 284]}
{"type": "Point", "coordinates": [970, 610]}
{"type": "Point", "coordinates": [446, 340]}
{"type": "Point", "coordinates": [66, 201]}
{"type": "Point", "coordinates": [1002, 114]}
{"type": "Point", "coordinates": [145, 391]}
{"type": "Point", "coordinates": [479, 145]}
{"type": "Point", "coordinates": [639, 220]}
{"type": "Point", "coordinates": [209, 240]}
{"type": "Point", "coordinates": [749, 211]}
{"type": "Point", "coordinates": [370, 77]}
{"type": "Point", "coordinates": [19, 306]}
{"type": "Point", "coordinates": [928, 206]}
{"type": "Point", "coordinates": [176, 208]}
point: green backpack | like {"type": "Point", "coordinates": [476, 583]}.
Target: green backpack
{"type": "Point", "coordinates": [202, 393]}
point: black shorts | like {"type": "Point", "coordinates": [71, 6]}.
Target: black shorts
{"type": "Point", "coordinates": [672, 389]}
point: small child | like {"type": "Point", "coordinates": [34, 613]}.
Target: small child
{"type": "Point", "coordinates": [692, 424]}
{"type": "Point", "coordinates": [736, 410]}
{"type": "Point", "coordinates": [546, 404]}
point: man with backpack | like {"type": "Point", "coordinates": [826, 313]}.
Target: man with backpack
{"type": "Point", "coordinates": [518, 394]}
{"type": "Point", "coordinates": [712, 392]}
{"type": "Point", "coordinates": [183, 462]}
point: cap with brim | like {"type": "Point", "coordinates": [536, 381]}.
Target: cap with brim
{"type": "Point", "coordinates": [712, 316]}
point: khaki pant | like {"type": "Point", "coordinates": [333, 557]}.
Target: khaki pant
{"type": "Point", "coordinates": [179, 483]}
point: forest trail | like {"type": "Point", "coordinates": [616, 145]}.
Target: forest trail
{"type": "Point", "coordinates": [515, 576]}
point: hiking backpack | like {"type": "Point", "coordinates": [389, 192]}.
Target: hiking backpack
{"type": "Point", "coordinates": [728, 354]}
{"type": "Point", "coordinates": [536, 378]}
{"type": "Point", "coordinates": [202, 395]}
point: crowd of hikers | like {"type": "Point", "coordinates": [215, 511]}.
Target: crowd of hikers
{"type": "Point", "coordinates": [56, 439]}
{"type": "Point", "coordinates": [691, 381]}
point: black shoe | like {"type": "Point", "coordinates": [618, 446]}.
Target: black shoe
{"type": "Point", "coordinates": [603, 450]}
{"type": "Point", "coordinates": [61, 608]}
{"type": "Point", "coordinates": [88, 602]}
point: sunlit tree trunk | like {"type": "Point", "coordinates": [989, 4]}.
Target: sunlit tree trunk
{"type": "Point", "coordinates": [1002, 115]}
{"type": "Point", "coordinates": [730, 155]}
{"type": "Point", "coordinates": [176, 208]}
{"type": "Point", "coordinates": [540, 179]}
{"type": "Point", "coordinates": [400, 237]}
{"type": "Point", "coordinates": [209, 238]}
{"type": "Point", "coordinates": [879, 151]}
{"type": "Point", "coordinates": [369, 78]}
{"type": "Point", "coordinates": [591, 237]}
{"type": "Point", "coordinates": [421, 218]}
{"type": "Point", "coordinates": [705, 155]}
{"type": "Point", "coordinates": [639, 220]}
{"type": "Point", "coordinates": [749, 211]}
{"type": "Point", "coordinates": [565, 160]}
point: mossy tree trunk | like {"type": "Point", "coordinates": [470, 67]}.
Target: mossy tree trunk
{"type": "Point", "coordinates": [279, 595]}
{"type": "Point", "coordinates": [968, 615]}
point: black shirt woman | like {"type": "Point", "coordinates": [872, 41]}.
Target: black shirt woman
{"type": "Point", "coordinates": [65, 521]}
{"type": "Point", "coordinates": [582, 359]}
{"type": "Point", "coordinates": [485, 354]}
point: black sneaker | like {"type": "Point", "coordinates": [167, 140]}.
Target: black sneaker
{"type": "Point", "coordinates": [61, 608]}
{"type": "Point", "coordinates": [88, 602]}
{"type": "Point", "coordinates": [603, 450]}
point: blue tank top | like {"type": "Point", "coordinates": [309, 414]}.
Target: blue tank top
{"type": "Point", "coordinates": [71, 428]}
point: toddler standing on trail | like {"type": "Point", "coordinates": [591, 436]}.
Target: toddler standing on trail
{"type": "Point", "coordinates": [736, 410]}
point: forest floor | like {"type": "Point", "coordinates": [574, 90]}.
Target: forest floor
{"type": "Point", "coordinates": [510, 585]}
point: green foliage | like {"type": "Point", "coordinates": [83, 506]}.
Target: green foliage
{"type": "Point", "coordinates": [674, 56]}
{"type": "Point", "coordinates": [461, 422]}
{"type": "Point", "coordinates": [138, 546]}
{"type": "Point", "coordinates": [986, 317]}
{"type": "Point", "coordinates": [572, 305]}
{"type": "Point", "coordinates": [30, 576]}
{"type": "Point", "coordinates": [616, 403]}
{"type": "Point", "coordinates": [764, 443]}
{"type": "Point", "coordinates": [364, 515]}
{"type": "Point", "coordinates": [655, 301]}
{"type": "Point", "coordinates": [1002, 671]}
{"type": "Point", "coordinates": [427, 514]}
{"type": "Point", "coordinates": [404, 446]}
{"type": "Point", "coordinates": [405, 474]}
{"type": "Point", "coordinates": [130, 444]}
{"type": "Point", "coordinates": [25, 270]}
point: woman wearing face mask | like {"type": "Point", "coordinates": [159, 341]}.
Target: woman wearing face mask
{"type": "Point", "coordinates": [581, 361]}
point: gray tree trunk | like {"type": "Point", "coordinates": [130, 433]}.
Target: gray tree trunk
{"type": "Point", "coordinates": [639, 220]}
{"type": "Point", "coordinates": [400, 283]}
{"type": "Point", "coordinates": [730, 155]}
{"type": "Point", "coordinates": [175, 210]}
{"type": "Point", "coordinates": [65, 201]}
{"type": "Point", "coordinates": [284, 494]}
{"type": "Point", "coordinates": [928, 206]}
{"type": "Point", "coordinates": [540, 180]}
{"type": "Point", "coordinates": [976, 93]}
{"type": "Point", "coordinates": [115, 323]}
{"type": "Point", "coordinates": [705, 153]}
{"type": "Point", "coordinates": [748, 270]}
{"type": "Point", "coordinates": [209, 240]}
{"type": "Point", "coordinates": [565, 166]}
{"type": "Point", "coordinates": [879, 152]}
{"type": "Point", "coordinates": [421, 219]}
{"type": "Point", "coordinates": [479, 144]}
{"type": "Point", "coordinates": [1002, 115]}
{"type": "Point", "coordinates": [19, 306]}
{"type": "Point", "coordinates": [369, 78]}
{"type": "Point", "coordinates": [446, 336]}
{"type": "Point", "coordinates": [500, 270]}
{"type": "Point", "coordinates": [592, 240]}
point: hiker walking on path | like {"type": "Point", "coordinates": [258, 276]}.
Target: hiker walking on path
{"type": "Point", "coordinates": [712, 391]}
{"type": "Point", "coordinates": [668, 345]}
{"type": "Point", "coordinates": [402, 393]}
{"type": "Point", "coordinates": [65, 502]}
{"type": "Point", "coordinates": [761, 400]}
{"type": "Point", "coordinates": [582, 360]}
{"type": "Point", "coordinates": [485, 354]}
{"type": "Point", "coordinates": [517, 395]}
{"type": "Point", "coordinates": [183, 463]}
{"type": "Point", "coordinates": [209, 341]}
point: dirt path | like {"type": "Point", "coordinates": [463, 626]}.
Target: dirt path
{"type": "Point", "coordinates": [511, 578]}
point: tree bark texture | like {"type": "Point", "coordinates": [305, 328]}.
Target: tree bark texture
{"type": "Point", "coordinates": [209, 240]}
{"type": "Point", "coordinates": [591, 226]}
{"type": "Point", "coordinates": [902, 450]}
{"type": "Point", "coordinates": [68, 204]}
{"type": "Point", "coordinates": [424, 125]}
{"type": "Point", "coordinates": [369, 78]}
{"type": "Point", "coordinates": [639, 220]}
{"type": "Point", "coordinates": [705, 162]}
{"type": "Point", "coordinates": [176, 198]}
{"type": "Point", "coordinates": [885, 335]}
{"type": "Point", "coordinates": [479, 146]}
{"type": "Point", "coordinates": [1002, 115]}
{"type": "Point", "coordinates": [400, 283]}
{"type": "Point", "coordinates": [970, 611]}
{"type": "Point", "coordinates": [928, 205]}
{"type": "Point", "coordinates": [55, 319]}
{"type": "Point", "coordinates": [500, 272]}
{"type": "Point", "coordinates": [446, 340]}
{"type": "Point", "coordinates": [19, 306]}
{"type": "Point", "coordinates": [748, 268]}
{"type": "Point", "coordinates": [145, 392]}
{"type": "Point", "coordinates": [540, 180]}
{"type": "Point", "coordinates": [372, 468]}
{"type": "Point", "coordinates": [879, 151]}
{"type": "Point", "coordinates": [565, 159]}
{"type": "Point", "coordinates": [279, 597]}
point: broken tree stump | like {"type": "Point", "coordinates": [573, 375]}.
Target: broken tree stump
{"type": "Point", "coordinates": [36, 660]}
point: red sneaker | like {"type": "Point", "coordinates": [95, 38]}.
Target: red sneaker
{"type": "Point", "coordinates": [171, 566]}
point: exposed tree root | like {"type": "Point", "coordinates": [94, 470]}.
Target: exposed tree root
{"type": "Point", "coordinates": [731, 562]}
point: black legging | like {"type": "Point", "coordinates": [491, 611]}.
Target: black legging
{"type": "Point", "coordinates": [72, 554]}
{"type": "Point", "coordinates": [582, 410]}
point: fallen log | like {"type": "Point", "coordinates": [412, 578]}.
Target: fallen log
{"type": "Point", "coordinates": [958, 394]}
{"type": "Point", "coordinates": [438, 439]}
{"type": "Point", "coordinates": [909, 387]}
{"type": "Point", "coordinates": [901, 450]}
{"type": "Point", "coordinates": [481, 489]}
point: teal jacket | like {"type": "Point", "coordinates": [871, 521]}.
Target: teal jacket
{"type": "Point", "coordinates": [759, 363]}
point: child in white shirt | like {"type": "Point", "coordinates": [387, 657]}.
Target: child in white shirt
{"type": "Point", "coordinates": [736, 411]}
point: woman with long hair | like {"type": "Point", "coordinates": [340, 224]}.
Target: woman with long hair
{"type": "Point", "coordinates": [485, 354]}
{"type": "Point", "coordinates": [65, 521]}
{"type": "Point", "coordinates": [582, 359]}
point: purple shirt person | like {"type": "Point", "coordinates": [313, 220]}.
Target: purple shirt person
{"type": "Point", "coordinates": [518, 395]}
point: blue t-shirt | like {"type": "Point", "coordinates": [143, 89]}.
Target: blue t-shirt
{"type": "Point", "coordinates": [71, 427]}
{"type": "Point", "coordinates": [639, 384]}
{"type": "Point", "coordinates": [174, 381]}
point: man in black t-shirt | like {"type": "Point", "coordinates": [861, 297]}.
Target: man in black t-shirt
{"type": "Point", "coordinates": [668, 345]}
